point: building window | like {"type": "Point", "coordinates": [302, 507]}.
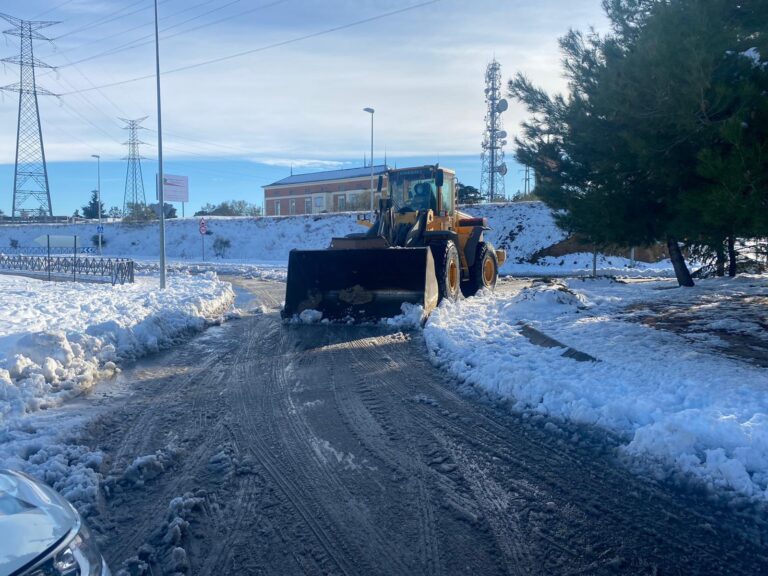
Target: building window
{"type": "Point", "coordinates": [292, 206]}
{"type": "Point", "coordinates": [320, 202]}
{"type": "Point", "coordinates": [342, 200]}
{"type": "Point", "coordinates": [307, 205]}
{"type": "Point", "coordinates": [277, 207]}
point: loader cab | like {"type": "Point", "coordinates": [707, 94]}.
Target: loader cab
{"type": "Point", "coordinates": [422, 188]}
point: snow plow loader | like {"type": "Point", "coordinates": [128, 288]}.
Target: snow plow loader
{"type": "Point", "coordinates": [420, 250]}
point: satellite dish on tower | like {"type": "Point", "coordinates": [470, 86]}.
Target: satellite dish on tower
{"type": "Point", "coordinates": [501, 134]}
{"type": "Point", "coordinates": [502, 169]}
{"type": "Point", "coordinates": [502, 105]}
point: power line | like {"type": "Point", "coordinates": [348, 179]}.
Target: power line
{"type": "Point", "coordinates": [49, 10]}
{"type": "Point", "coordinates": [108, 18]}
{"type": "Point", "coordinates": [150, 38]}
{"type": "Point", "coordinates": [125, 31]}
{"type": "Point", "coordinates": [264, 48]}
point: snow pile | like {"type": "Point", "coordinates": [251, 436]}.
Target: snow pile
{"type": "Point", "coordinates": [580, 264]}
{"type": "Point", "coordinates": [543, 296]}
{"type": "Point", "coordinates": [56, 339]}
{"type": "Point", "coordinates": [310, 316]}
{"type": "Point", "coordinates": [412, 316]}
{"type": "Point", "coordinates": [46, 448]}
{"type": "Point", "coordinates": [520, 228]}
{"type": "Point", "coordinates": [679, 405]}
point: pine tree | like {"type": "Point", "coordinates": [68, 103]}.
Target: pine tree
{"type": "Point", "coordinates": [91, 210]}
{"type": "Point", "coordinates": [662, 133]}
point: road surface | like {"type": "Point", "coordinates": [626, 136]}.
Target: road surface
{"type": "Point", "coordinates": [285, 449]}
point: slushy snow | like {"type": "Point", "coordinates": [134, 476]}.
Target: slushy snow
{"type": "Point", "coordinates": [57, 339]}
{"type": "Point", "coordinates": [678, 403]}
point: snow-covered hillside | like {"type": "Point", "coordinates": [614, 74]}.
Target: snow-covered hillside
{"type": "Point", "coordinates": [522, 229]}
{"type": "Point", "coordinates": [250, 239]}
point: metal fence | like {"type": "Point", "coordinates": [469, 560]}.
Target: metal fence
{"type": "Point", "coordinates": [45, 251]}
{"type": "Point", "coordinates": [114, 270]}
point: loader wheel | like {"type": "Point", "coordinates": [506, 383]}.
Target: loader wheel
{"type": "Point", "coordinates": [447, 269]}
{"type": "Point", "coordinates": [483, 273]}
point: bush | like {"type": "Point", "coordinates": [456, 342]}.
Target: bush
{"type": "Point", "coordinates": [14, 243]}
{"type": "Point", "coordinates": [220, 247]}
{"type": "Point", "coordinates": [95, 240]}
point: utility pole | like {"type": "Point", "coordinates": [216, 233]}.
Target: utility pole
{"type": "Point", "coordinates": [30, 180]}
{"type": "Point", "coordinates": [98, 194]}
{"type": "Point", "coordinates": [134, 198]}
{"type": "Point", "coordinates": [160, 181]}
{"type": "Point", "coordinates": [494, 139]}
{"type": "Point", "coordinates": [371, 111]}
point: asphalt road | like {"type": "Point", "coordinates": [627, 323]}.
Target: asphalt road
{"type": "Point", "coordinates": [291, 449]}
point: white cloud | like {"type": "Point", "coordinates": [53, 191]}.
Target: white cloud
{"type": "Point", "coordinates": [422, 70]}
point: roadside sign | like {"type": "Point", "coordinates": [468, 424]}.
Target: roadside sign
{"type": "Point", "coordinates": [87, 250]}
{"type": "Point", "coordinates": [99, 229]}
{"type": "Point", "coordinates": [175, 188]}
{"type": "Point", "coordinates": [203, 226]}
{"type": "Point", "coordinates": [58, 241]}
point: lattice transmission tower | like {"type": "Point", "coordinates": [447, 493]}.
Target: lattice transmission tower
{"type": "Point", "coordinates": [134, 201]}
{"type": "Point", "coordinates": [31, 193]}
{"type": "Point", "coordinates": [494, 137]}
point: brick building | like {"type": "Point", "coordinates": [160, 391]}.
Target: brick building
{"type": "Point", "coordinates": [330, 191]}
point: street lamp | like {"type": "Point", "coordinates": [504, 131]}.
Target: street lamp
{"type": "Point", "coordinates": [371, 111]}
{"type": "Point", "coordinates": [160, 180]}
{"type": "Point", "coordinates": [98, 194]}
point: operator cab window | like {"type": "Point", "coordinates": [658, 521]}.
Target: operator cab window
{"type": "Point", "coordinates": [422, 196]}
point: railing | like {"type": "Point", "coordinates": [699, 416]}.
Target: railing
{"type": "Point", "coordinates": [45, 251]}
{"type": "Point", "coordinates": [114, 270]}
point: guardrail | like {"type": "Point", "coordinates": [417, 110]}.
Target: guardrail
{"type": "Point", "coordinates": [114, 270]}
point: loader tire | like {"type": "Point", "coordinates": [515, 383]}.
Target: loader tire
{"type": "Point", "coordinates": [447, 269]}
{"type": "Point", "coordinates": [484, 271]}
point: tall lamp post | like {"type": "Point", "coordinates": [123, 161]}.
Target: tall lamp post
{"type": "Point", "coordinates": [160, 181]}
{"type": "Point", "coordinates": [98, 194]}
{"type": "Point", "coordinates": [371, 111]}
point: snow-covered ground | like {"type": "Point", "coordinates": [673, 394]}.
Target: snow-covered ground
{"type": "Point", "coordinates": [679, 402]}
{"type": "Point", "coordinates": [58, 339]}
{"type": "Point", "coordinates": [522, 229]}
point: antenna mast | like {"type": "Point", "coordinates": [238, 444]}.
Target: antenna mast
{"type": "Point", "coordinates": [494, 137]}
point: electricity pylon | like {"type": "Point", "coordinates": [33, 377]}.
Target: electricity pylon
{"type": "Point", "coordinates": [134, 200]}
{"type": "Point", "coordinates": [30, 181]}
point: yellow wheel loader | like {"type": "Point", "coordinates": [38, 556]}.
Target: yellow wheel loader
{"type": "Point", "coordinates": [420, 250]}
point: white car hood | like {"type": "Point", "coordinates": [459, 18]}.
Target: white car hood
{"type": "Point", "coordinates": [33, 518]}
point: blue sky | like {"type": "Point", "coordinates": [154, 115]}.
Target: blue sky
{"type": "Point", "coordinates": [238, 124]}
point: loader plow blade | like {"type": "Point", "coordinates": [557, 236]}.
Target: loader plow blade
{"type": "Point", "coordinates": [364, 284]}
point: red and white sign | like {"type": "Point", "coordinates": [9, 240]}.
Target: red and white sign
{"type": "Point", "coordinates": [175, 188]}
{"type": "Point", "coordinates": [203, 226]}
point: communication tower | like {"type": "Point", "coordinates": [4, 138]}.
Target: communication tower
{"type": "Point", "coordinates": [494, 137]}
